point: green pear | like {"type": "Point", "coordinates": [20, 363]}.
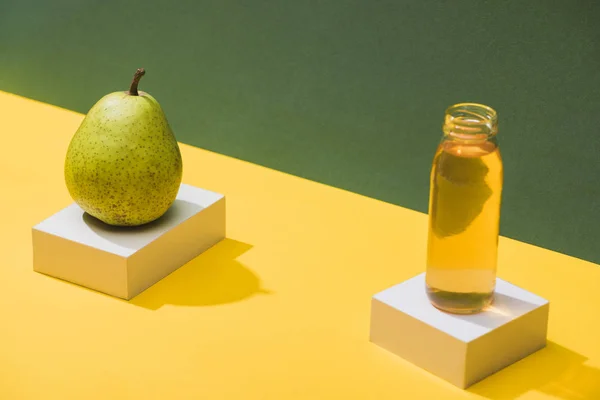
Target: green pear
{"type": "Point", "coordinates": [123, 164]}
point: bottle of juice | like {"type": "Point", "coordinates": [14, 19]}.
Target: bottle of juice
{"type": "Point", "coordinates": [464, 211]}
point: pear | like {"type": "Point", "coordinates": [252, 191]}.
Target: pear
{"type": "Point", "coordinates": [123, 165]}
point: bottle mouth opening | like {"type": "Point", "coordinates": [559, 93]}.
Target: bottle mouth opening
{"type": "Point", "coordinates": [470, 121]}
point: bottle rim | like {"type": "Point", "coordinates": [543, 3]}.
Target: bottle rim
{"type": "Point", "coordinates": [470, 121]}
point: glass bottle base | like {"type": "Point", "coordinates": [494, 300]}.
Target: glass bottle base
{"type": "Point", "coordinates": [459, 303]}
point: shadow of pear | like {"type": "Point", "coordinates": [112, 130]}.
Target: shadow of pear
{"type": "Point", "coordinates": [213, 278]}
{"type": "Point", "coordinates": [554, 370]}
{"type": "Point", "coordinates": [136, 237]}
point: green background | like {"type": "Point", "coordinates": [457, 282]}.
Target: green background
{"type": "Point", "coordinates": [348, 93]}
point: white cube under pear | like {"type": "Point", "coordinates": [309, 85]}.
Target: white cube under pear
{"type": "Point", "coordinates": [124, 261]}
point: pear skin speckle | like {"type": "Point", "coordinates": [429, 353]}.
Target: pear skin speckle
{"type": "Point", "coordinates": [123, 165]}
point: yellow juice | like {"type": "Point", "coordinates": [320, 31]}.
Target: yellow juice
{"type": "Point", "coordinates": [464, 216]}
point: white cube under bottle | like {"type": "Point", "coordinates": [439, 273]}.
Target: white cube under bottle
{"type": "Point", "coordinates": [462, 349]}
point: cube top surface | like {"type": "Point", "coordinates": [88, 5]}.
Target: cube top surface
{"type": "Point", "coordinates": [510, 303]}
{"type": "Point", "coordinates": [72, 223]}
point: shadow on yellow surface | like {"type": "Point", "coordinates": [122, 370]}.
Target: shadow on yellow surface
{"type": "Point", "coordinates": [214, 277]}
{"type": "Point", "coordinates": [554, 370]}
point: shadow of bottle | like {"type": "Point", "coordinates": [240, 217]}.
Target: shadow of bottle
{"type": "Point", "coordinates": [553, 370]}
{"type": "Point", "coordinates": [213, 278]}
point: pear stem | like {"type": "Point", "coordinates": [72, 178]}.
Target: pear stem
{"type": "Point", "coordinates": [133, 89]}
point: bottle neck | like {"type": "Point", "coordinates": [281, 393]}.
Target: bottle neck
{"type": "Point", "coordinates": [470, 122]}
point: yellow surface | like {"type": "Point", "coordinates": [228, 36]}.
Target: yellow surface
{"type": "Point", "coordinates": [279, 310]}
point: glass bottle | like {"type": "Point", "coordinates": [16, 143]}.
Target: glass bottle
{"type": "Point", "coordinates": [464, 211]}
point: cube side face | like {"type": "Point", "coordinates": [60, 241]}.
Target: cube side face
{"type": "Point", "coordinates": [79, 264]}
{"type": "Point", "coordinates": [175, 248]}
{"type": "Point", "coordinates": [507, 344]}
{"type": "Point", "coordinates": [419, 343]}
